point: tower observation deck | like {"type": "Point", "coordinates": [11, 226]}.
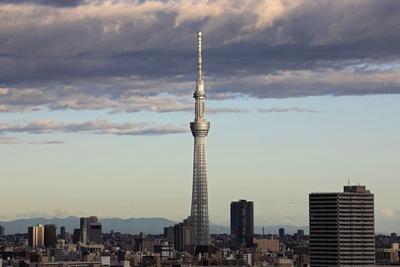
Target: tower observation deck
{"type": "Point", "coordinates": [199, 128]}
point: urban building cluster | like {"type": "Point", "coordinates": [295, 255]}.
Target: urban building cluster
{"type": "Point", "coordinates": [342, 231]}
{"type": "Point", "coordinates": [339, 236]}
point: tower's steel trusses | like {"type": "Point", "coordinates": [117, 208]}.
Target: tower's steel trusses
{"type": "Point", "coordinates": [200, 127]}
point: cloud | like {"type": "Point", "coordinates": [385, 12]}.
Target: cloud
{"type": "Point", "coordinates": [295, 109]}
{"type": "Point", "coordinates": [129, 56]}
{"type": "Point", "coordinates": [58, 3]}
{"type": "Point", "coordinates": [227, 110]}
{"type": "Point", "coordinates": [90, 127]}
{"type": "Point", "coordinates": [297, 219]}
{"type": "Point", "coordinates": [387, 213]}
{"type": "Point", "coordinates": [52, 213]}
{"type": "Point", "coordinates": [48, 143]}
{"type": "Point", "coordinates": [7, 140]}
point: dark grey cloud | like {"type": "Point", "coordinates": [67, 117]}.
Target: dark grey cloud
{"type": "Point", "coordinates": [100, 54]}
{"type": "Point", "coordinates": [55, 3]}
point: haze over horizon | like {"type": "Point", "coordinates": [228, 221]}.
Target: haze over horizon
{"type": "Point", "coordinates": [96, 100]}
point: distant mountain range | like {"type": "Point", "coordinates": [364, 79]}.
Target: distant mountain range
{"type": "Point", "coordinates": [130, 226]}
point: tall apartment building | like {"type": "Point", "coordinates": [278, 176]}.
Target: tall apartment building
{"type": "Point", "coordinates": [342, 228]}
{"type": "Point", "coordinates": [242, 223]}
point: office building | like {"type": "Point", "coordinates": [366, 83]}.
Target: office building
{"type": "Point", "coordinates": [342, 228]}
{"type": "Point", "coordinates": [94, 233]}
{"type": "Point", "coordinates": [50, 235]}
{"type": "Point", "coordinates": [300, 236]}
{"type": "Point", "coordinates": [90, 230]}
{"type": "Point", "coordinates": [199, 128]}
{"type": "Point", "coordinates": [242, 223]}
{"type": "Point", "coordinates": [282, 233]}
{"type": "Point", "coordinates": [62, 232]}
{"type": "Point", "coordinates": [36, 236]}
{"type": "Point", "coordinates": [169, 233]}
{"type": "Point", "coordinates": [183, 236]}
{"type": "Point", "coordinates": [76, 236]}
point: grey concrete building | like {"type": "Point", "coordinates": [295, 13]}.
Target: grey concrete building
{"type": "Point", "coordinates": [342, 228]}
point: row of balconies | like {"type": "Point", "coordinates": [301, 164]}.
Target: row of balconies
{"type": "Point", "coordinates": [361, 248]}
{"type": "Point", "coordinates": [353, 226]}
{"type": "Point", "coordinates": [346, 202]}
{"type": "Point", "coordinates": [364, 237]}
{"type": "Point", "coordinates": [356, 211]}
{"type": "Point", "coordinates": [358, 231]}
{"type": "Point", "coordinates": [323, 235]}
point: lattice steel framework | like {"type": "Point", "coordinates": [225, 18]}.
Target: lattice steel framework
{"type": "Point", "coordinates": [199, 128]}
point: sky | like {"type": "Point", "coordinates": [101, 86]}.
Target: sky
{"type": "Point", "coordinates": [96, 100]}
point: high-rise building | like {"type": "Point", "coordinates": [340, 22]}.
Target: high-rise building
{"type": "Point", "coordinates": [282, 233]}
{"type": "Point", "coordinates": [183, 236]}
{"type": "Point", "coordinates": [62, 232]}
{"type": "Point", "coordinates": [169, 233]}
{"type": "Point", "coordinates": [342, 228]}
{"type": "Point", "coordinates": [76, 237]}
{"type": "Point", "coordinates": [1, 230]}
{"type": "Point", "coordinates": [242, 222]}
{"type": "Point", "coordinates": [199, 128]}
{"type": "Point", "coordinates": [88, 224]}
{"type": "Point", "coordinates": [36, 236]}
{"type": "Point", "coordinates": [50, 235]}
{"type": "Point", "coordinates": [95, 233]}
{"type": "Point", "coordinates": [300, 236]}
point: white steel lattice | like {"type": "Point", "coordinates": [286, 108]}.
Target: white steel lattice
{"type": "Point", "coordinates": [199, 194]}
{"type": "Point", "coordinates": [199, 128]}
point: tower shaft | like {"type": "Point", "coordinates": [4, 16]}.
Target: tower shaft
{"type": "Point", "coordinates": [199, 128]}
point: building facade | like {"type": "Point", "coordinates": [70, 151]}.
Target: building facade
{"type": "Point", "coordinates": [242, 223]}
{"type": "Point", "coordinates": [50, 235]}
{"type": "Point", "coordinates": [90, 230]}
{"type": "Point", "coordinates": [36, 236]}
{"type": "Point", "coordinates": [183, 236]}
{"type": "Point", "coordinates": [342, 228]}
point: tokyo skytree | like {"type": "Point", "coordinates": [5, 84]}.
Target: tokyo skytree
{"type": "Point", "coordinates": [199, 128]}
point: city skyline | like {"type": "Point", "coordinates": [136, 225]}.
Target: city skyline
{"type": "Point", "coordinates": [95, 97]}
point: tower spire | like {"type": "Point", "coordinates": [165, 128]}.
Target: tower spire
{"type": "Point", "coordinates": [199, 58]}
{"type": "Point", "coordinates": [199, 128]}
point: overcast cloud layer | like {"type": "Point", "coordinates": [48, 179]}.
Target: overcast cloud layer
{"type": "Point", "coordinates": [130, 56]}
